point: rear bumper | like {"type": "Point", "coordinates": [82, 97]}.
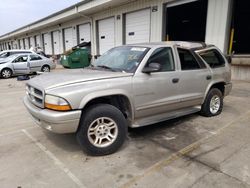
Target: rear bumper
{"type": "Point", "coordinates": [227, 88]}
{"type": "Point", "coordinates": [57, 122]}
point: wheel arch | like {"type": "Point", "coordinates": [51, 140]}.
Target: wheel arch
{"type": "Point", "coordinates": [119, 100]}
{"type": "Point", "coordinates": [219, 85]}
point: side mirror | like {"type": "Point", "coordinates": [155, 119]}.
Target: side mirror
{"type": "Point", "coordinates": [152, 67]}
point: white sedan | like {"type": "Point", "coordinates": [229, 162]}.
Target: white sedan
{"type": "Point", "coordinates": [21, 64]}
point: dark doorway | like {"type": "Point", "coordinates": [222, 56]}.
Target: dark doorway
{"type": "Point", "coordinates": [241, 17]}
{"type": "Point", "coordinates": [186, 22]}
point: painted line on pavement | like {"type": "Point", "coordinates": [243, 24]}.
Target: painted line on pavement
{"type": "Point", "coordinates": [57, 162]}
{"type": "Point", "coordinates": [181, 153]}
{"type": "Point", "coordinates": [15, 132]}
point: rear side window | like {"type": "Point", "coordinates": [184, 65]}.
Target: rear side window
{"type": "Point", "coordinates": [35, 57]}
{"type": "Point", "coordinates": [213, 58]}
{"type": "Point", "coordinates": [187, 60]}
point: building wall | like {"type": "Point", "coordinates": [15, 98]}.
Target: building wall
{"type": "Point", "coordinates": [217, 31]}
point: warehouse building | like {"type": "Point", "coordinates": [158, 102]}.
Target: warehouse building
{"type": "Point", "coordinates": [109, 23]}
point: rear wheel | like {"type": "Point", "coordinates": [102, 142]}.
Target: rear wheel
{"type": "Point", "coordinates": [103, 130]}
{"type": "Point", "coordinates": [45, 68]}
{"type": "Point", "coordinates": [213, 103]}
{"type": "Point", "coordinates": [6, 73]}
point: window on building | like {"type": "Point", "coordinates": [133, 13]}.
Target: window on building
{"type": "Point", "coordinates": [187, 60]}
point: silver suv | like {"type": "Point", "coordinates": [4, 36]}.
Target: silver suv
{"type": "Point", "coordinates": [132, 85]}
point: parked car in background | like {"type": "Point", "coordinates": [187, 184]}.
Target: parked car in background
{"type": "Point", "coordinates": [20, 64]}
{"type": "Point", "coordinates": [132, 85]}
{"type": "Point", "coordinates": [7, 53]}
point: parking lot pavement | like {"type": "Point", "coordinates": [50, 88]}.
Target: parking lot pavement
{"type": "Point", "coordinates": [191, 151]}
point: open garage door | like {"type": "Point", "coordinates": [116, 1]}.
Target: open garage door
{"type": "Point", "coordinates": [241, 15]}
{"type": "Point", "coordinates": [68, 38]}
{"type": "Point", "coordinates": [137, 26]}
{"type": "Point", "coordinates": [56, 42]}
{"type": "Point", "coordinates": [106, 34]}
{"type": "Point", "coordinates": [84, 33]}
{"type": "Point", "coordinates": [186, 20]}
{"type": "Point", "coordinates": [47, 43]}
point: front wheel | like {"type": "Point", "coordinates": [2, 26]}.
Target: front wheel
{"type": "Point", "coordinates": [45, 68]}
{"type": "Point", "coordinates": [213, 103]}
{"type": "Point", "coordinates": [103, 130]}
{"type": "Point", "coordinates": [6, 73]}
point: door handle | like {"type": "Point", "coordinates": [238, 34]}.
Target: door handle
{"type": "Point", "coordinates": [175, 80]}
{"type": "Point", "coordinates": [209, 77]}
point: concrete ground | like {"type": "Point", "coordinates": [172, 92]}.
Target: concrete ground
{"type": "Point", "coordinates": [191, 151]}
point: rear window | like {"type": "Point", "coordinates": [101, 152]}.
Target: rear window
{"type": "Point", "coordinates": [213, 58]}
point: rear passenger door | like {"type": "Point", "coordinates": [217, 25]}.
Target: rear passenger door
{"type": "Point", "coordinates": [194, 78]}
{"type": "Point", "coordinates": [35, 62]}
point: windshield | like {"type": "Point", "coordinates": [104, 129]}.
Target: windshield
{"type": "Point", "coordinates": [124, 58]}
{"type": "Point", "coordinates": [3, 54]}
{"type": "Point", "coordinates": [11, 57]}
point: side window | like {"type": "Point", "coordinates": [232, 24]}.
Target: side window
{"type": "Point", "coordinates": [213, 58]}
{"type": "Point", "coordinates": [35, 57]}
{"type": "Point", "coordinates": [21, 59]}
{"type": "Point", "coordinates": [187, 60]}
{"type": "Point", "coordinates": [164, 57]}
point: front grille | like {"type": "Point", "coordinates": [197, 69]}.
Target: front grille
{"type": "Point", "coordinates": [35, 95]}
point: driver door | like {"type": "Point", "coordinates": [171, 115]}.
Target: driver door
{"type": "Point", "coordinates": [156, 92]}
{"type": "Point", "coordinates": [20, 65]}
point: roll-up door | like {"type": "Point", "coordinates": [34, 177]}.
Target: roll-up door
{"type": "Point", "coordinates": [68, 38]}
{"type": "Point", "coordinates": [32, 42]}
{"type": "Point", "coordinates": [47, 43]}
{"type": "Point", "coordinates": [106, 34]}
{"type": "Point", "coordinates": [38, 41]}
{"type": "Point", "coordinates": [56, 42]}
{"type": "Point", "coordinates": [137, 26]}
{"type": "Point", "coordinates": [84, 33]}
{"type": "Point", "coordinates": [26, 43]}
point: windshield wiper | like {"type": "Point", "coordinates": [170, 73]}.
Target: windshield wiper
{"type": "Point", "coordinates": [106, 67]}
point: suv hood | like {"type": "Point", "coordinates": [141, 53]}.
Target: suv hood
{"type": "Point", "coordinates": [66, 77]}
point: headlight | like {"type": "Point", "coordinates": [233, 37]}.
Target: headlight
{"type": "Point", "coordinates": [56, 103]}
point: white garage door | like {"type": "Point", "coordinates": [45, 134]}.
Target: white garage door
{"type": "Point", "coordinates": [38, 41]}
{"type": "Point", "coordinates": [84, 33]}
{"type": "Point", "coordinates": [47, 43]}
{"type": "Point", "coordinates": [32, 42]}
{"type": "Point", "coordinates": [137, 26]}
{"type": "Point", "coordinates": [68, 38]}
{"type": "Point", "coordinates": [21, 44]}
{"type": "Point", "coordinates": [26, 43]}
{"type": "Point", "coordinates": [106, 34]}
{"type": "Point", "coordinates": [56, 42]}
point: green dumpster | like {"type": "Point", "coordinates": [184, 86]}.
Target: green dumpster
{"type": "Point", "coordinates": [76, 58]}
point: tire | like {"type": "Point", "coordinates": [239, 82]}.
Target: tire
{"type": "Point", "coordinates": [213, 103]}
{"type": "Point", "coordinates": [94, 134]}
{"type": "Point", "coordinates": [6, 73]}
{"type": "Point", "coordinates": [45, 68]}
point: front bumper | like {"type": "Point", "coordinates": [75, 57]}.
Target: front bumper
{"type": "Point", "coordinates": [57, 122]}
{"type": "Point", "coordinates": [227, 88]}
